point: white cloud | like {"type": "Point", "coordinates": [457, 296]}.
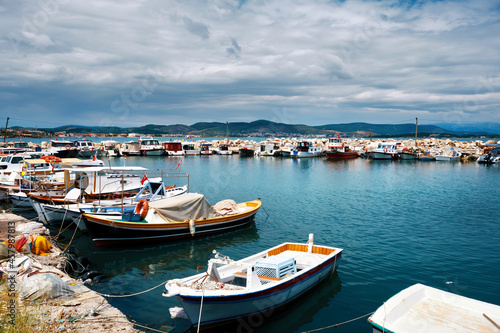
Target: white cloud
{"type": "Point", "coordinates": [326, 61]}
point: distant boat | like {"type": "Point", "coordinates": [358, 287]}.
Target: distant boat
{"type": "Point", "coordinates": [190, 149]}
{"type": "Point", "coordinates": [151, 147]}
{"type": "Point", "coordinates": [223, 149]}
{"type": "Point", "coordinates": [305, 149]}
{"type": "Point", "coordinates": [131, 148]}
{"type": "Point", "coordinates": [448, 155]}
{"type": "Point", "coordinates": [385, 151]}
{"type": "Point", "coordinates": [173, 148]}
{"type": "Point", "coordinates": [205, 149]}
{"type": "Point", "coordinates": [427, 156]}
{"type": "Point", "coordinates": [421, 308]}
{"type": "Point", "coordinates": [247, 150]}
{"type": "Point", "coordinates": [270, 279]}
{"type": "Point", "coordinates": [62, 149]}
{"type": "Point", "coordinates": [491, 155]}
{"type": "Point", "coordinates": [86, 148]}
{"type": "Point", "coordinates": [269, 148]}
{"type": "Point", "coordinates": [337, 149]}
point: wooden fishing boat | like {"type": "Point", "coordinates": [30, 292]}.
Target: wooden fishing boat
{"type": "Point", "coordinates": [183, 216]}
{"type": "Point", "coordinates": [260, 283]}
{"type": "Point", "coordinates": [337, 149]}
{"type": "Point", "coordinates": [67, 212]}
{"type": "Point", "coordinates": [424, 309]}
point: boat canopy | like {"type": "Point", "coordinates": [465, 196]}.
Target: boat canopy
{"type": "Point", "coordinates": [184, 207]}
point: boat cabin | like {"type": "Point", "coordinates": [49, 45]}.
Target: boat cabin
{"type": "Point", "coordinates": [303, 146]}
{"type": "Point", "coordinates": [173, 148]}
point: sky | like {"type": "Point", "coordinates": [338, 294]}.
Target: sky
{"type": "Point", "coordinates": [136, 62]}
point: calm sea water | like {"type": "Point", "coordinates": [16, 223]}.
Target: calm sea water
{"type": "Point", "coordinates": [399, 223]}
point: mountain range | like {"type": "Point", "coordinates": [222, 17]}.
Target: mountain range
{"type": "Point", "coordinates": [269, 128]}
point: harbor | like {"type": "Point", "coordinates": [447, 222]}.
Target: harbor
{"type": "Point", "coordinates": [400, 222]}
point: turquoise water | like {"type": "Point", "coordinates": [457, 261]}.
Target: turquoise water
{"type": "Point", "coordinates": [399, 223]}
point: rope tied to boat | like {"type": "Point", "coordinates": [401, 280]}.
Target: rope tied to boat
{"type": "Point", "coordinates": [342, 323]}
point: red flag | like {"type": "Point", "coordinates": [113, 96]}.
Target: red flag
{"type": "Point", "coordinates": [94, 156]}
{"type": "Point", "coordinates": [144, 179]}
{"type": "Point", "coordinates": [178, 164]}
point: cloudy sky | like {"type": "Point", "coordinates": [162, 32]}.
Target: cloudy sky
{"type": "Point", "coordinates": [137, 62]}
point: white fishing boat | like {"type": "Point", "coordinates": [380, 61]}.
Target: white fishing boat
{"type": "Point", "coordinates": [151, 191]}
{"type": "Point", "coordinates": [87, 148]}
{"type": "Point", "coordinates": [306, 149]}
{"type": "Point", "coordinates": [231, 289]}
{"type": "Point", "coordinates": [491, 155]}
{"type": "Point", "coordinates": [190, 148]}
{"type": "Point", "coordinates": [111, 148]}
{"type": "Point", "coordinates": [205, 149]}
{"type": "Point", "coordinates": [223, 149]}
{"type": "Point", "coordinates": [62, 149]}
{"type": "Point", "coordinates": [420, 308]}
{"type": "Point", "coordinates": [448, 155]}
{"type": "Point", "coordinates": [269, 148]}
{"type": "Point", "coordinates": [385, 151]}
{"type": "Point", "coordinates": [131, 148]}
{"type": "Point", "coordinates": [173, 148]}
{"type": "Point", "coordinates": [151, 147]}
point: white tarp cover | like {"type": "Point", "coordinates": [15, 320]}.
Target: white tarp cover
{"type": "Point", "coordinates": [184, 207]}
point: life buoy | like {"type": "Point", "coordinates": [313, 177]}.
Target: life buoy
{"type": "Point", "coordinates": [68, 147]}
{"type": "Point", "coordinates": [102, 148]}
{"type": "Point", "coordinates": [142, 208]}
{"type": "Point", "coordinates": [385, 150]}
{"type": "Point", "coordinates": [91, 149]}
{"type": "Point", "coordinates": [343, 145]}
{"type": "Point", "coordinates": [53, 159]}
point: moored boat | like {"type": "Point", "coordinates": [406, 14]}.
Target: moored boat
{"type": "Point", "coordinates": [448, 155]}
{"type": "Point", "coordinates": [385, 151]}
{"type": "Point", "coordinates": [305, 149]}
{"type": "Point", "coordinates": [189, 148]}
{"type": "Point", "coordinates": [248, 150]}
{"type": "Point", "coordinates": [229, 290]}
{"type": "Point", "coordinates": [205, 149]}
{"type": "Point", "coordinates": [420, 308]}
{"type": "Point", "coordinates": [337, 149]}
{"type": "Point", "coordinates": [151, 147]}
{"type": "Point", "coordinates": [173, 148]}
{"type": "Point", "coordinates": [183, 216]}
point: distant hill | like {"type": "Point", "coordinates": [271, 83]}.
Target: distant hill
{"type": "Point", "coordinates": [269, 128]}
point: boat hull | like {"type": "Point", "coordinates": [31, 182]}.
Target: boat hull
{"type": "Point", "coordinates": [219, 310]}
{"type": "Point", "coordinates": [244, 152]}
{"type": "Point", "coordinates": [421, 308]}
{"type": "Point", "coordinates": [153, 152]}
{"type": "Point", "coordinates": [115, 232]}
{"type": "Point", "coordinates": [408, 156]}
{"type": "Point", "coordinates": [383, 156]}
{"type": "Point", "coordinates": [342, 155]}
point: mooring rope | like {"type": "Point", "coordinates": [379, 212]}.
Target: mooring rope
{"type": "Point", "coordinates": [345, 322]}
{"type": "Point", "coordinates": [141, 292]}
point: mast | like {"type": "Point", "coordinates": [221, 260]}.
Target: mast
{"type": "Point", "coordinates": [227, 131]}
{"type": "Point", "coordinates": [5, 133]}
{"type": "Point", "coordinates": [416, 128]}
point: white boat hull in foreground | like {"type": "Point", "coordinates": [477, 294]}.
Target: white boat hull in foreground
{"type": "Point", "coordinates": [241, 288]}
{"type": "Point", "coordinates": [424, 309]}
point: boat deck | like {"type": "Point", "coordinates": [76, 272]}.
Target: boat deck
{"type": "Point", "coordinates": [433, 315]}
{"type": "Point", "coordinates": [425, 309]}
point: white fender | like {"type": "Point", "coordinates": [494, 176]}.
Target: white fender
{"type": "Point", "coordinates": [192, 227]}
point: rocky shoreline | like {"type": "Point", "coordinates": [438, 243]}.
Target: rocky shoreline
{"type": "Point", "coordinates": [66, 305]}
